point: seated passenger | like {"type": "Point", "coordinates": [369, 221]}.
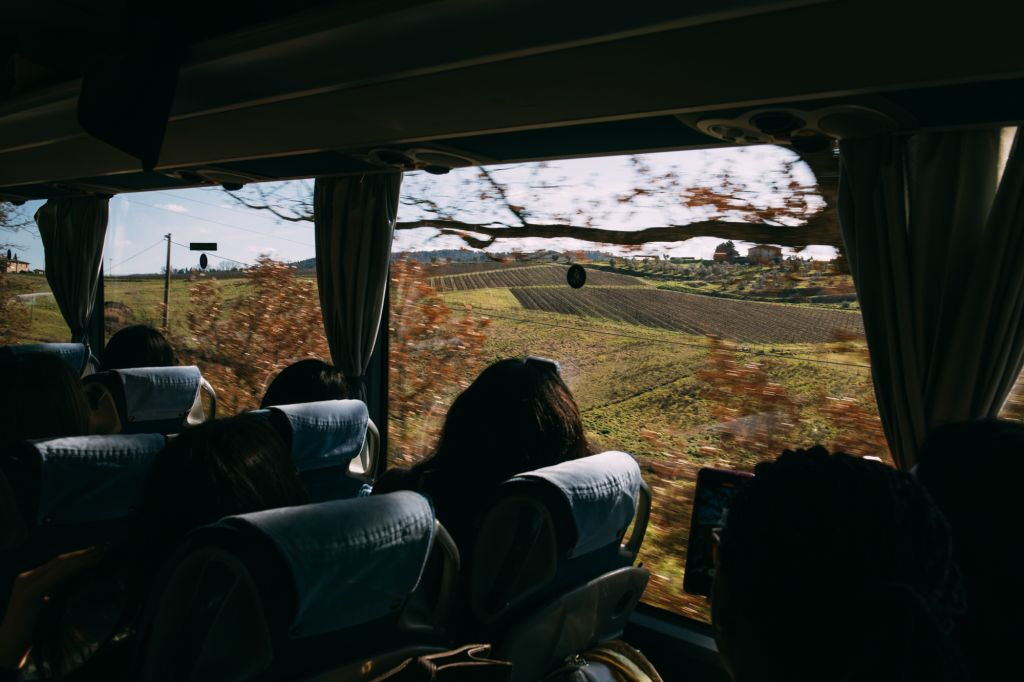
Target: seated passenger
{"type": "Point", "coordinates": [40, 397]}
{"type": "Point", "coordinates": [518, 415]}
{"type": "Point", "coordinates": [837, 568]}
{"type": "Point", "coordinates": [974, 472]}
{"type": "Point", "coordinates": [306, 381]}
{"type": "Point", "coordinates": [221, 468]}
{"type": "Point", "coordinates": [138, 345]}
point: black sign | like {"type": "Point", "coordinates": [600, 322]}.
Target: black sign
{"type": "Point", "coordinates": [576, 276]}
{"type": "Point", "coordinates": [203, 261]}
{"type": "Point", "coordinates": [202, 246]}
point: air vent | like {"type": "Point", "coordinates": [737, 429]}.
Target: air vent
{"type": "Point", "coordinates": [804, 130]}
{"type": "Point", "coordinates": [434, 161]}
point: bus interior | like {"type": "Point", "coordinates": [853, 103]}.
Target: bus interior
{"type": "Point", "coordinates": [418, 183]}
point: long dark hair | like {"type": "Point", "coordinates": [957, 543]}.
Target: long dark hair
{"type": "Point", "coordinates": [138, 345]}
{"type": "Point", "coordinates": [305, 381]}
{"type": "Point", "coordinates": [229, 466]}
{"type": "Point", "coordinates": [843, 569]}
{"type": "Point", "coordinates": [40, 397]}
{"type": "Point", "coordinates": [516, 416]}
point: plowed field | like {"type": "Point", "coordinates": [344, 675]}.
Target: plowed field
{"type": "Point", "coordinates": [743, 321]}
{"type": "Point", "coordinates": [526, 276]}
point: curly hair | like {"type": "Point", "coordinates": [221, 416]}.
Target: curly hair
{"type": "Point", "coordinates": [845, 569]}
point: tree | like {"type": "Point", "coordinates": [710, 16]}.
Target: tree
{"type": "Point", "coordinates": [434, 353]}
{"type": "Point", "coordinates": [12, 220]}
{"type": "Point", "coordinates": [516, 202]}
{"type": "Point", "coordinates": [242, 342]}
{"type": "Point", "coordinates": [729, 249]}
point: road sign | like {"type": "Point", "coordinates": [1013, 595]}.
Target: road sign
{"type": "Point", "coordinates": [202, 246]}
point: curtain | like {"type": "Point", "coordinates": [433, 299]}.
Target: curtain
{"type": "Point", "coordinates": [937, 256]}
{"type": "Point", "coordinates": [72, 230]}
{"type": "Point", "coordinates": [354, 218]}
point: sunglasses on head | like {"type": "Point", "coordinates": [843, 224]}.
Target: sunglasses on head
{"type": "Point", "coordinates": [544, 363]}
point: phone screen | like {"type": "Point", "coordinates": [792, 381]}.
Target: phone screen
{"type": "Point", "coordinates": [716, 489]}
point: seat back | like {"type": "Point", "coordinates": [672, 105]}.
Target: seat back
{"type": "Point", "coordinates": [77, 355]}
{"type": "Point", "coordinates": [65, 494]}
{"type": "Point", "coordinates": [157, 399]}
{"type": "Point", "coordinates": [333, 442]}
{"type": "Point", "coordinates": [551, 544]}
{"type": "Point", "coordinates": [293, 592]}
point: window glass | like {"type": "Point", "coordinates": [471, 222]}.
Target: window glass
{"type": "Point", "coordinates": [28, 313]}
{"type": "Point", "coordinates": [699, 349]}
{"type": "Point", "coordinates": [250, 312]}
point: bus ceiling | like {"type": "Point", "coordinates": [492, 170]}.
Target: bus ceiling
{"type": "Point", "coordinates": [117, 100]}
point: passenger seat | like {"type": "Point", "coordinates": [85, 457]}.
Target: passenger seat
{"type": "Point", "coordinates": [155, 399]}
{"type": "Point", "coordinates": [549, 576]}
{"type": "Point", "coordinates": [320, 589]}
{"type": "Point", "coordinates": [334, 445]}
{"type": "Point", "coordinates": [64, 494]}
{"type": "Point", "coordinates": [77, 355]}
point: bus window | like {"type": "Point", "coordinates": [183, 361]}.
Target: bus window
{"type": "Point", "coordinates": [242, 301]}
{"type": "Point", "coordinates": [708, 351]}
{"type": "Point", "coordinates": [28, 312]}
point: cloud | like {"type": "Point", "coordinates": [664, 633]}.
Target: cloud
{"type": "Point", "coordinates": [177, 208]}
{"type": "Point", "coordinates": [268, 250]}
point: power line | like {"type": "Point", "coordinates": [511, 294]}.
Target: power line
{"type": "Point", "coordinates": [154, 244]}
{"type": "Point", "coordinates": [652, 339]}
{"type": "Point", "coordinates": [222, 224]}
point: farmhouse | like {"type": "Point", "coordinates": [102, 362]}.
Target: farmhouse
{"type": "Point", "coordinates": [9, 264]}
{"type": "Point", "coordinates": [764, 254]}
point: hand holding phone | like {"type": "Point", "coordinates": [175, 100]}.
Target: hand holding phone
{"type": "Point", "coordinates": [715, 491]}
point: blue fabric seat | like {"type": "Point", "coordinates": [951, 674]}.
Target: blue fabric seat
{"type": "Point", "coordinates": [69, 493]}
{"type": "Point", "coordinates": [326, 438]}
{"type": "Point", "coordinates": [77, 355]}
{"type": "Point", "coordinates": [299, 590]}
{"type": "Point", "coordinates": [550, 544]}
{"type": "Point", "coordinates": [156, 399]}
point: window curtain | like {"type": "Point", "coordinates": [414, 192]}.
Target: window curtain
{"type": "Point", "coordinates": [72, 230]}
{"type": "Point", "coordinates": [354, 219]}
{"type": "Point", "coordinates": [935, 242]}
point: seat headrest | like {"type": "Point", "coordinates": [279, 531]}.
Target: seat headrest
{"type": "Point", "coordinates": [75, 354]}
{"type": "Point", "coordinates": [601, 493]}
{"type": "Point", "coordinates": [352, 561]}
{"type": "Point", "coordinates": [155, 395]}
{"type": "Point", "coordinates": [325, 434]}
{"type": "Point", "coordinates": [93, 478]}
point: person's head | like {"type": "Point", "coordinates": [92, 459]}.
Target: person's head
{"type": "Point", "coordinates": [40, 397]}
{"type": "Point", "coordinates": [219, 468]}
{"type": "Point", "coordinates": [138, 345]}
{"type": "Point", "coordinates": [518, 415]}
{"type": "Point", "coordinates": [305, 381]}
{"type": "Point", "coordinates": [833, 567]}
{"type": "Point", "coordinates": [973, 471]}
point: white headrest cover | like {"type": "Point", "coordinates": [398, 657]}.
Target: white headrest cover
{"type": "Point", "coordinates": [353, 561]}
{"type": "Point", "coordinates": [326, 433]}
{"type": "Point", "coordinates": [93, 478]}
{"type": "Point", "coordinates": [602, 492]}
{"type": "Point", "coordinates": [154, 394]}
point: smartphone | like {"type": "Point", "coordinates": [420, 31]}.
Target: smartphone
{"type": "Point", "coordinates": [715, 491]}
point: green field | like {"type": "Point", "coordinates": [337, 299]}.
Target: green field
{"type": "Point", "coordinates": [651, 384]}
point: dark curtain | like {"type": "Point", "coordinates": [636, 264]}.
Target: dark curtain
{"type": "Point", "coordinates": [936, 247]}
{"type": "Point", "coordinates": [355, 222]}
{"type": "Point", "coordinates": [72, 230]}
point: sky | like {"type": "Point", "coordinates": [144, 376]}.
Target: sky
{"type": "Point", "coordinates": [574, 189]}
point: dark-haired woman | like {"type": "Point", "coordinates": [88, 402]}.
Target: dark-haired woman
{"type": "Point", "coordinates": [518, 415]}
{"type": "Point", "coordinates": [221, 468]}
{"type": "Point", "coordinates": [836, 568]}
{"type": "Point", "coordinates": [40, 397]}
{"type": "Point", "coordinates": [306, 381]}
{"type": "Point", "coordinates": [138, 345]}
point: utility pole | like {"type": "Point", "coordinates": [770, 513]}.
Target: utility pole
{"type": "Point", "coordinates": [167, 282]}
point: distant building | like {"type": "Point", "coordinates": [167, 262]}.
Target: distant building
{"type": "Point", "coordinates": [722, 256]}
{"type": "Point", "coordinates": [13, 264]}
{"type": "Point", "coordinates": [764, 254]}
